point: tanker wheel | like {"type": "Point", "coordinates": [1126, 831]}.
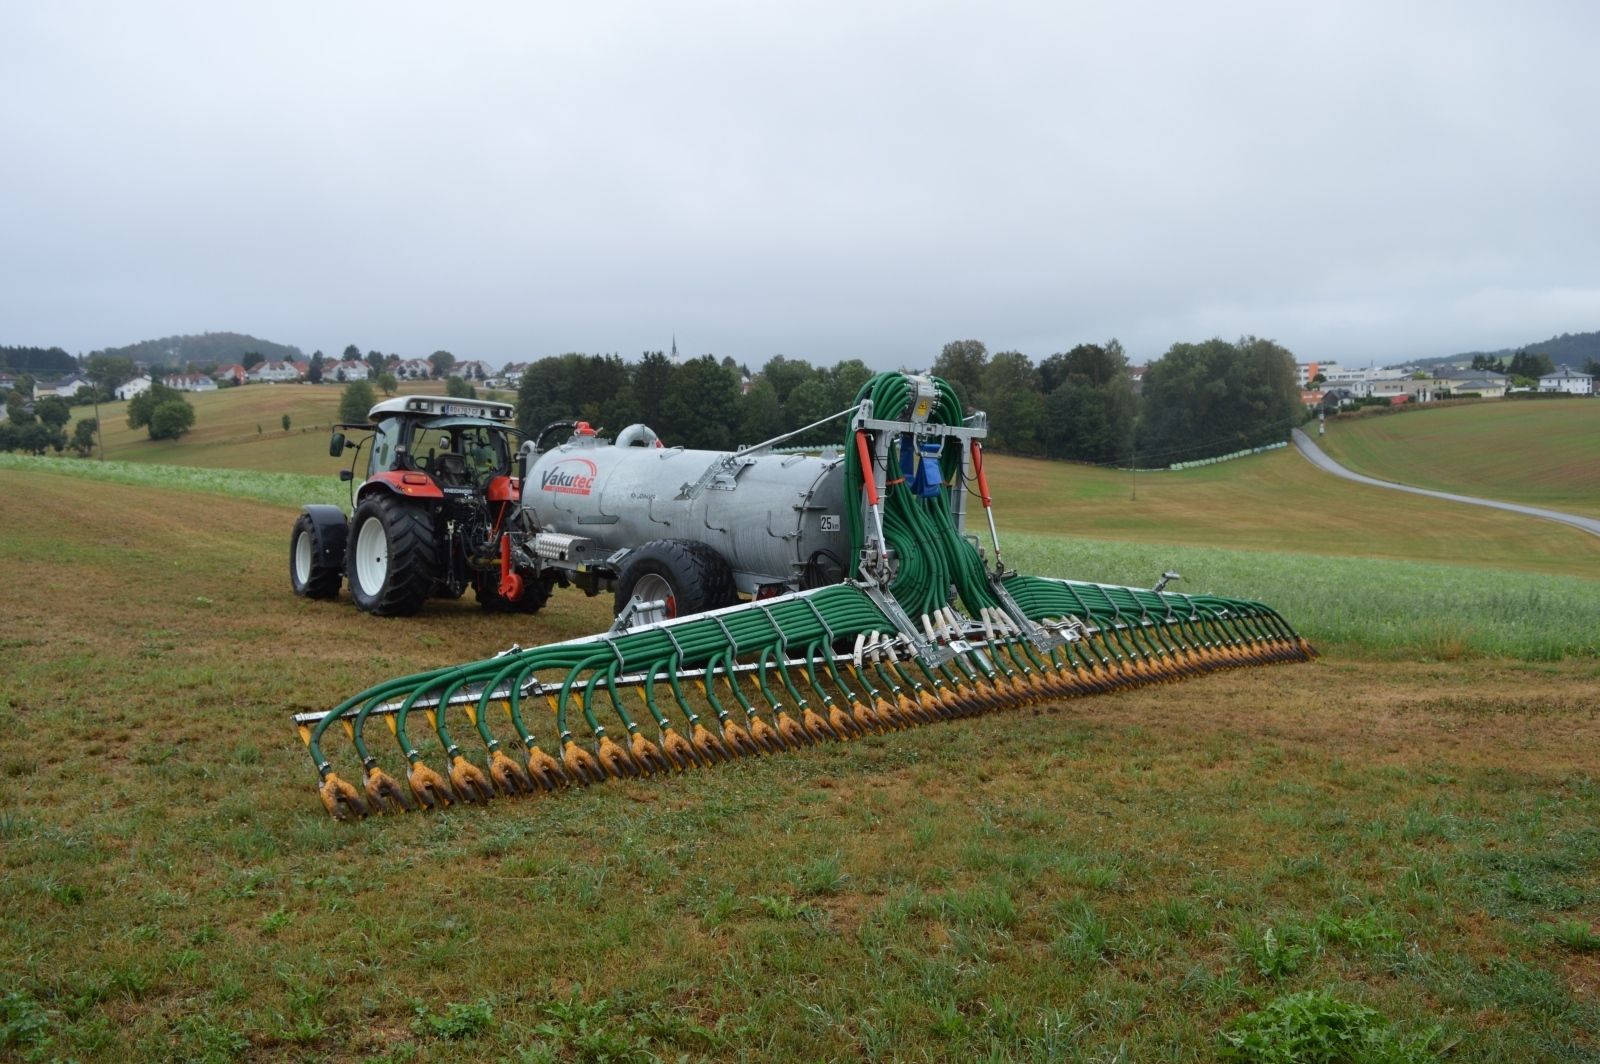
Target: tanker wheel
{"type": "Point", "coordinates": [315, 569]}
{"type": "Point", "coordinates": [685, 576]}
{"type": "Point", "coordinates": [390, 557]}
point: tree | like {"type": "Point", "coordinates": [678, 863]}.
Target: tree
{"type": "Point", "coordinates": [108, 371]}
{"type": "Point", "coordinates": [83, 436]}
{"type": "Point", "coordinates": [285, 422]}
{"type": "Point", "coordinates": [442, 362]}
{"type": "Point", "coordinates": [761, 416]}
{"type": "Point", "coordinates": [457, 388]}
{"type": "Point", "coordinates": [1215, 397]}
{"type": "Point", "coordinates": [171, 418]}
{"type": "Point", "coordinates": [1014, 403]}
{"type": "Point", "coordinates": [1530, 364]}
{"type": "Point", "coordinates": [354, 402]}
{"type": "Point", "coordinates": [1593, 367]}
{"type": "Point", "coordinates": [701, 408]}
{"type": "Point", "coordinates": [387, 382]}
{"type": "Point", "coordinates": [252, 359]}
{"type": "Point", "coordinates": [314, 374]}
{"type": "Point", "coordinates": [37, 438]}
{"type": "Point", "coordinates": [961, 363]}
{"type": "Point", "coordinates": [787, 374]}
{"type": "Point", "coordinates": [810, 401]}
{"type": "Point", "coordinates": [844, 381]}
{"type": "Point", "coordinates": [652, 378]}
{"type": "Point", "coordinates": [17, 411]}
{"type": "Point", "coordinates": [1089, 406]}
{"type": "Point", "coordinates": [54, 412]}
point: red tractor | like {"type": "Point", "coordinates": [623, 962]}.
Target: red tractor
{"type": "Point", "coordinates": [428, 518]}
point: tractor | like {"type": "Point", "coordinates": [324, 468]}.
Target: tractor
{"type": "Point", "coordinates": [428, 518]}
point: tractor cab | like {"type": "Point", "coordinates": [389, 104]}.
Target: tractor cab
{"type": "Point", "coordinates": [450, 446]}
{"type": "Point", "coordinates": [456, 452]}
{"type": "Point", "coordinates": [434, 506]}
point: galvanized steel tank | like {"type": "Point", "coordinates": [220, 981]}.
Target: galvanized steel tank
{"type": "Point", "coordinates": [776, 518]}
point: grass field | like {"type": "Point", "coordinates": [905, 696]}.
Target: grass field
{"type": "Point", "coordinates": [1408, 824]}
{"type": "Point", "coordinates": [242, 428]}
{"type": "Point", "coordinates": [1543, 453]}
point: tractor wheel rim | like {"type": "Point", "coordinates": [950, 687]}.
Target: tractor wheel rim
{"type": "Point", "coordinates": [302, 559]}
{"type": "Point", "coordinates": [372, 556]}
{"type": "Point", "coordinates": [653, 588]}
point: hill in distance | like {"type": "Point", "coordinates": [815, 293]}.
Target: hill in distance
{"type": "Point", "coordinates": [218, 347]}
{"type": "Point", "coordinates": [1568, 349]}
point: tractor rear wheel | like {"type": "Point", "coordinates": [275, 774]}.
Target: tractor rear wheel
{"type": "Point", "coordinates": [687, 577]}
{"type": "Point", "coordinates": [315, 568]}
{"type": "Point", "coordinates": [390, 559]}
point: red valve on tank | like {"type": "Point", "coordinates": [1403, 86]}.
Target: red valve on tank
{"type": "Point", "coordinates": [583, 428]}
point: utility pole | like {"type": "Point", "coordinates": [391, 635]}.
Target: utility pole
{"type": "Point", "coordinates": [99, 427]}
{"type": "Point", "coordinates": [1133, 466]}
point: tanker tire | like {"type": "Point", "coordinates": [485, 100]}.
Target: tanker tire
{"type": "Point", "coordinates": [312, 573]}
{"type": "Point", "coordinates": [535, 593]}
{"type": "Point", "coordinates": [389, 560]}
{"type": "Point", "coordinates": [699, 577]}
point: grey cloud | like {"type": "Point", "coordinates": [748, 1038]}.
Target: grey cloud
{"type": "Point", "coordinates": [1359, 181]}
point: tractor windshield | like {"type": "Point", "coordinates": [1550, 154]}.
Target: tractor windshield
{"type": "Point", "coordinates": [463, 452]}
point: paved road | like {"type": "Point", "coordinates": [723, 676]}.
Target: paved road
{"type": "Point", "coordinates": [1320, 459]}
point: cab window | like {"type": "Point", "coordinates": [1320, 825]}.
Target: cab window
{"type": "Point", "coordinates": [384, 442]}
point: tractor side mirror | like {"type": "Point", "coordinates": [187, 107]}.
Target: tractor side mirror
{"type": "Point", "coordinates": [345, 474]}
{"type": "Point", "coordinates": [336, 445]}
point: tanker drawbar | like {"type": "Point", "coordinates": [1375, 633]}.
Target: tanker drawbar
{"type": "Point", "coordinates": [768, 601]}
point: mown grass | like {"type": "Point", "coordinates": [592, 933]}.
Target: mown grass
{"type": "Point", "coordinates": [1278, 502]}
{"type": "Point", "coordinates": [1544, 453]}
{"type": "Point", "coordinates": [1129, 877]}
{"type": "Point", "coordinates": [1379, 606]}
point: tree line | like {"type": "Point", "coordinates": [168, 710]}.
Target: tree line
{"type": "Point", "coordinates": [1198, 400]}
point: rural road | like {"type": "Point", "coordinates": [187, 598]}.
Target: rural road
{"type": "Point", "coordinates": [1321, 460]}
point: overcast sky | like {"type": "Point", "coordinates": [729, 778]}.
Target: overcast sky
{"type": "Point", "coordinates": [1360, 181]}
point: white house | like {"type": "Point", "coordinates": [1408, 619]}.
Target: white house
{"type": "Point", "coordinates": [1565, 380]}
{"type": "Point", "coordinates": [341, 372]}
{"type": "Point", "coordinates": [1416, 391]}
{"type": "Point", "coordinates": [234, 372]}
{"type": "Point", "coordinates": [135, 387]}
{"type": "Point", "coordinates": [473, 371]}
{"type": "Point", "coordinates": [513, 372]}
{"type": "Point", "coordinates": [1482, 382]}
{"type": "Point", "coordinates": [275, 371]}
{"type": "Point", "coordinates": [66, 389]}
{"type": "Point", "coordinates": [197, 382]}
{"type": "Point", "coordinates": [413, 369]}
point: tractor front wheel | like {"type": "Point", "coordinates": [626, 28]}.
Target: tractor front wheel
{"type": "Point", "coordinates": [391, 558]}
{"type": "Point", "coordinates": [315, 567]}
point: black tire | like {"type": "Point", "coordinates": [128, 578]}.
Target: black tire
{"type": "Point", "coordinates": [393, 572]}
{"type": "Point", "coordinates": [535, 593]}
{"type": "Point", "coordinates": [696, 576]}
{"type": "Point", "coordinates": [316, 563]}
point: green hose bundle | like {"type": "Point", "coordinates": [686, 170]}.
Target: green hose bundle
{"type": "Point", "coordinates": [933, 556]}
